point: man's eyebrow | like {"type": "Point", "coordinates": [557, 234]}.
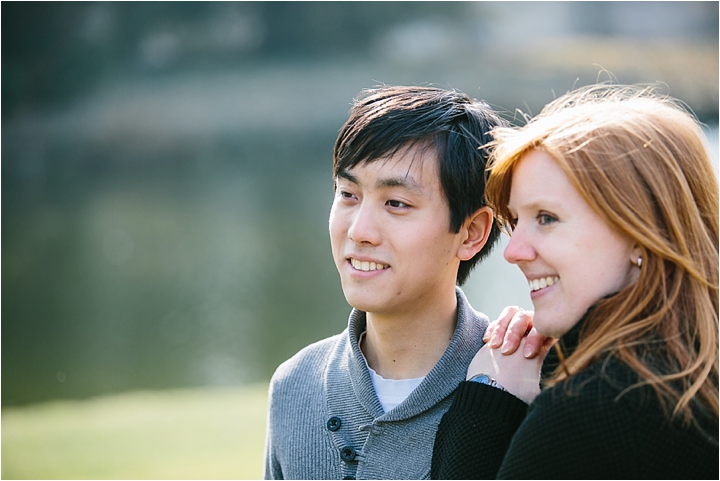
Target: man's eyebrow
{"type": "Point", "coordinates": [407, 182]}
{"type": "Point", "coordinates": [344, 174]}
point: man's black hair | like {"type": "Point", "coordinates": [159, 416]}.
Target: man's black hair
{"type": "Point", "coordinates": [387, 119]}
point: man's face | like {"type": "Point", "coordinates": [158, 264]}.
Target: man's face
{"type": "Point", "coordinates": [390, 234]}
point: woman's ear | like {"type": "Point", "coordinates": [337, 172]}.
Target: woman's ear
{"type": "Point", "coordinates": [477, 230]}
{"type": "Point", "coordinates": [636, 256]}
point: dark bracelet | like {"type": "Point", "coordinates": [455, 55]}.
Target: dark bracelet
{"type": "Point", "coordinates": [485, 379]}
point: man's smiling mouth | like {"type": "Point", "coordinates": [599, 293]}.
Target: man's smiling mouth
{"type": "Point", "coordinates": [367, 265]}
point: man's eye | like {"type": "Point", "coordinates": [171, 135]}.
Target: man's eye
{"type": "Point", "coordinates": [397, 204]}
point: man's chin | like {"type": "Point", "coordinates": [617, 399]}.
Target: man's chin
{"type": "Point", "coordinates": [366, 302]}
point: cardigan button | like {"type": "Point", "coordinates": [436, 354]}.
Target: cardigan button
{"type": "Point", "coordinates": [334, 423]}
{"type": "Point", "coordinates": [347, 454]}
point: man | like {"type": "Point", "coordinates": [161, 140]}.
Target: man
{"type": "Point", "coordinates": [407, 225]}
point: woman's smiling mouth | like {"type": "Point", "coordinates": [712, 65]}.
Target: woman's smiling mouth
{"type": "Point", "coordinates": [543, 282]}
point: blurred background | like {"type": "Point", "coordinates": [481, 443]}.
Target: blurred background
{"type": "Point", "coordinates": [166, 179]}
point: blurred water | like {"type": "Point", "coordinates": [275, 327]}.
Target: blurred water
{"type": "Point", "coordinates": [192, 269]}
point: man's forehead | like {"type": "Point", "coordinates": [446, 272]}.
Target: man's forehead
{"type": "Point", "coordinates": [410, 164]}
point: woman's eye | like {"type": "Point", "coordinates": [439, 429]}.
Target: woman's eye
{"type": "Point", "coordinates": [545, 219]}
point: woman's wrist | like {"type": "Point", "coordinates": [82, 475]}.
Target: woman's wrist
{"type": "Point", "coordinates": [486, 379]}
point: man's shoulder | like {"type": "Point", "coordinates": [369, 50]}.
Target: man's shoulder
{"type": "Point", "coordinates": [466, 312]}
{"type": "Point", "coordinates": [309, 359]}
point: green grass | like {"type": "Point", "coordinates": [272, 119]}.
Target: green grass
{"type": "Point", "coordinates": [188, 434]}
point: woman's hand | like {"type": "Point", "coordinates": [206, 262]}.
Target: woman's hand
{"type": "Point", "coordinates": [513, 325]}
{"type": "Point", "coordinates": [516, 373]}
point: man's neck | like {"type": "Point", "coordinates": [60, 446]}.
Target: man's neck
{"type": "Point", "coordinates": [408, 346]}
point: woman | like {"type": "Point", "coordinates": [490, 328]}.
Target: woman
{"type": "Point", "coordinates": [612, 205]}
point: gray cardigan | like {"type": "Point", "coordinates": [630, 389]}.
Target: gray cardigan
{"type": "Point", "coordinates": [326, 422]}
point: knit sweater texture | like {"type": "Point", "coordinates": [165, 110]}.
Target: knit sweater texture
{"type": "Point", "coordinates": [326, 422]}
{"type": "Point", "coordinates": [588, 427]}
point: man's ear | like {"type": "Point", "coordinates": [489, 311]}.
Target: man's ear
{"type": "Point", "coordinates": [477, 230]}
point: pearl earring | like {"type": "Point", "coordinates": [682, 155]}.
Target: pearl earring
{"type": "Point", "coordinates": [639, 262]}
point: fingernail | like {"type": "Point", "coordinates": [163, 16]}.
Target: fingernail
{"type": "Point", "coordinates": [496, 340]}
{"type": "Point", "coordinates": [505, 349]}
{"type": "Point", "coordinates": [528, 350]}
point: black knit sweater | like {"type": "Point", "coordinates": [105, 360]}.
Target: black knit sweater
{"type": "Point", "coordinates": [582, 428]}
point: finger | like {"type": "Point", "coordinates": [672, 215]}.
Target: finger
{"type": "Point", "coordinates": [499, 326]}
{"type": "Point", "coordinates": [520, 324]}
{"type": "Point", "coordinates": [549, 343]}
{"type": "Point", "coordinates": [502, 321]}
{"type": "Point", "coordinates": [537, 344]}
{"type": "Point", "coordinates": [489, 332]}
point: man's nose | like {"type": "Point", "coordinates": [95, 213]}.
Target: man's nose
{"type": "Point", "coordinates": [365, 228]}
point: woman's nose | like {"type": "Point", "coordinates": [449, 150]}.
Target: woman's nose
{"type": "Point", "coordinates": [519, 249]}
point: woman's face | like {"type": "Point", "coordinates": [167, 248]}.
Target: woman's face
{"type": "Point", "coordinates": [570, 256]}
